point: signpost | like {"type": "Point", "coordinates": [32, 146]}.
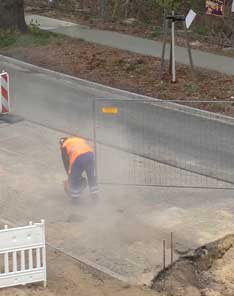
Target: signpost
{"type": "Point", "coordinates": [187, 21]}
{"type": "Point", "coordinates": [190, 18]}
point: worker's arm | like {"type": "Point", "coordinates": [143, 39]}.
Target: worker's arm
{"type": "Point", "coordinates": [65, 158]}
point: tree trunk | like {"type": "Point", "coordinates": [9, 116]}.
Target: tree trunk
{"type": "Point", "coordinates": [12, 15]}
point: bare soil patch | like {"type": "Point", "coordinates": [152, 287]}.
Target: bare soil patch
{"type": "Point", "coordinates": [208, 271]}
{"type": "Point", "coordinates": [68, 277]}
{"type": "Point", "coordinates": [137, 28]}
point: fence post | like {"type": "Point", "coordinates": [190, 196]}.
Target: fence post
{"type": "Point", "coordinates": [44, 253]}
{"type": "Point", "coordinates": [95, 138]}
{"type": "Point", "coordinates": [6, 257]}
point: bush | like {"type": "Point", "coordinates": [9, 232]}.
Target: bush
{"type": "Point", "coordinates": [7, 38]}
{"type": "Point", "coordinates": [34, 37]}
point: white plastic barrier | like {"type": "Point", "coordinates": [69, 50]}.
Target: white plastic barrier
{"type": "Point", "coordinates": [23, 255]}
{"type": "Point", "coordinates": [4, 93]}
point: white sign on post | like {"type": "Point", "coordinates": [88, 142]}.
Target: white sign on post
{"type": "Point", "coordinates": [233, 6]}
{"type": "Point", "coordinates": [190, 18]}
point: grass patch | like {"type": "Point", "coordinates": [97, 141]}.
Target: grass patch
{"type": "Point", "coordinates": [34, 37]}
{"type": "Point", "coordinates": [190, 88]}
{"type": "Point", "coordinates": [156, 33]}
{"type": "Point", "coordinates": [201, 30]}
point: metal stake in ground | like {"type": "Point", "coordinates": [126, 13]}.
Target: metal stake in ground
{"type": "Point", "coordinates": [164, 254]}
{"type": "Point", "coordinates": [172, 248]}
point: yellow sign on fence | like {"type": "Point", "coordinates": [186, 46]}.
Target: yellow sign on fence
{"type": "Point", "coordinates": [110, 110]}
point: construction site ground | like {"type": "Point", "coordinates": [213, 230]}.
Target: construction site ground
{"type": "Point", "coordinates": [67, 277]}
{"type": "Point", "coordinates": [121, 233]}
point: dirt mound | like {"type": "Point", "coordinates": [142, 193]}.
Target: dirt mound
{"type": "Point", "coordinates": [208, 271]}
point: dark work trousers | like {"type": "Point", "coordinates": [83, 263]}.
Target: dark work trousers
{"type": "Point", "coordinates": [83, 163]}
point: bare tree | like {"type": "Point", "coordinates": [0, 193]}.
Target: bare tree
{"type": "Point", "coordinates": [12, 15]}
{"type": "Point", "coordinates": [103, 8]}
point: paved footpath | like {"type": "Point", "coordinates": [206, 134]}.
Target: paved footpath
{"type": "Point", "coordinates": [134, 44]}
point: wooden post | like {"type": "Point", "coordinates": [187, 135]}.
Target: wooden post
{"type": "Point", "coordinates": [189, 50]}
{"type": "Point", "coordinates": [165, 26]}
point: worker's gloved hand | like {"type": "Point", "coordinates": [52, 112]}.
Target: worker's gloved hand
{"type": "Point", "coordinates": [62, 140]}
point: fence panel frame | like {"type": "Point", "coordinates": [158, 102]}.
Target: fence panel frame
{"type": "Point", "coordinates": [183, 106]}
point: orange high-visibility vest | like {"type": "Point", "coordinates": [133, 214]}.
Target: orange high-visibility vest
{"type": "Point", "coordinates": [75, 147]}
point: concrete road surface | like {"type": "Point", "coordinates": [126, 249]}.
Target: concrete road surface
{"type": "Point", "coordinates": [197, 144]}
{"type": "Point", "coordinates": [122, 232]}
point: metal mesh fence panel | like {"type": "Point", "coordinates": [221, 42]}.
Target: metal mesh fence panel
{"type": "Point", "coordinates": [158, 143]}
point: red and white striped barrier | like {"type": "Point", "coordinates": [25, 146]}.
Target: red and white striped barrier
{"type": "Point", "coordinates": [4, 93]}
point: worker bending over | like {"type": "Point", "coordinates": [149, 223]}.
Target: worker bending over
{"type": "Point", "coordinates": [78, 157]}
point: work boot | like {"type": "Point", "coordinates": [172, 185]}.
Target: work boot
{"type": "Point", "coordinates": [75, 200]}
